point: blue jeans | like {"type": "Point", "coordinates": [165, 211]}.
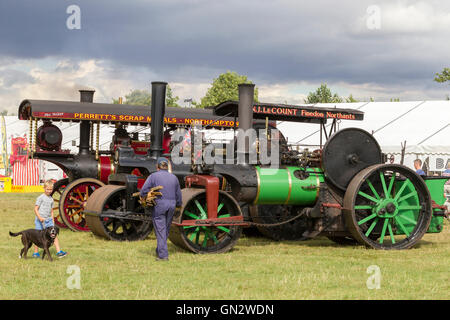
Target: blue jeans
{"type": "Point", "coordinates": [46, 224]}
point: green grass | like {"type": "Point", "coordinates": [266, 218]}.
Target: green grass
{"type": "Point", "coordinates": [255, 269]}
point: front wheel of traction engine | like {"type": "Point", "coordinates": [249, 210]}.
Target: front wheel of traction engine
{"type": "Point", "coordinates": [73, 202]}
{"type": "Point", "coordinates": [387, 206]}
{"type": "Point", "coordinates": [205, 239]}
{"type": "Point", "coordinates": [107, 202]}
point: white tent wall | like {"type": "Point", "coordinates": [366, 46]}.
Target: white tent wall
{"type": "Point", "coordinates": [424, 125]}
{"type": "Point", "coordinates": [434, 158]}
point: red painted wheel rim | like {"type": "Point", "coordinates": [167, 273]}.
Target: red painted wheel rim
{"type": "Point", "coordinates": [74, 204]}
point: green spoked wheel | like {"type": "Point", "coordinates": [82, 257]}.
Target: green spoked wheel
{"type": "Point", "coordinates": [205, 239]}
{"type": "Point", "coordinates": [387, 206]}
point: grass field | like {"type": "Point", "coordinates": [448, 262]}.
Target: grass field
{"type": "Point", "coordinates": [255, 269]}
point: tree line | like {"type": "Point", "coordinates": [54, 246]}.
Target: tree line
{"type": "Point", "coordinates": [223, 88]}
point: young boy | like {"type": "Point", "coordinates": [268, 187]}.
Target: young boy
{"type": "Point", "coordinates": [44, 216]}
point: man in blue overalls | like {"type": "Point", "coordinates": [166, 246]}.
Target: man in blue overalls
{"type": "Point", "coordinates": [166, 203]}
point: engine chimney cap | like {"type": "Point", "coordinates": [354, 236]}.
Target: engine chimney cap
{"type": "Point", "coordinates": [246, 84]}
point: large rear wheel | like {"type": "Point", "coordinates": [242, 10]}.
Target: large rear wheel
{"type": "Point", "coordinates": [387, 206]}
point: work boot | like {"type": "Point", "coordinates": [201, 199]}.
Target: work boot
{"type": "Point", "coordinates": [161, 259]}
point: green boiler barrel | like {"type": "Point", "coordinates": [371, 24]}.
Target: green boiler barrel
{"type": "Point", "coordinates": [289, 185]}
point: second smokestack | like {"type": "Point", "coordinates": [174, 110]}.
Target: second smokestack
{"type": "Point", "coordinates": [86, 96]}
{"type": "Point", "coordinates": [245, 116]}
{"type": "Point", "coordinates": [157, 121]}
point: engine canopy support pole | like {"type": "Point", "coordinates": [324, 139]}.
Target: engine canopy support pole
{"type": "Point", "coordinates": [34, 136]}
{"type": "Point", "coordinates": [97, 146]}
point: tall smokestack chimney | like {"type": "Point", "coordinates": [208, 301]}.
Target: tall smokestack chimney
{"type": "Point", "coordinates": [157, 114]}
{"type": "Point", "coordinates": [245, 116]}
{"type": "Point", "coordinates": [86, 96]}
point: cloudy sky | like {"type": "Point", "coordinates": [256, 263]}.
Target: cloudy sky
{"type": "Point", "coordinates": [380, 49]}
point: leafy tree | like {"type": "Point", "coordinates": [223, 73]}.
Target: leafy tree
{"type": "Point", "coordinates": [443, 76]}
{"type": "Point", "coordinates": [171, 101]}
{"type": "Point", "coordinates": [223, 88]}
{"type": "Point", "coordinates": [351, 99]}
{"type": "Point", "coordinates": [323, 94]}
{"type": "Point", "coordinates": [144, 98]}
{"type": "Point", "coordinates": [137, 97]}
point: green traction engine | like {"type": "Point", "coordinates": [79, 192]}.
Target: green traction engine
{"type": "Point", "coordinates": [344, 190]}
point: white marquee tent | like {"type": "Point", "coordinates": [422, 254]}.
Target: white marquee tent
{"type": "Point", "coordinates": [424, 125]}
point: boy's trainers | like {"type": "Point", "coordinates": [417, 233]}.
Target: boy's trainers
{"type": "Point", "coordinates": [36, 255]}
{"type": "Point", "coordinates": [61, 254]}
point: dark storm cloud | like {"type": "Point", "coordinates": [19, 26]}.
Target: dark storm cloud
{"type": "Point", "coordinates": [273, 41]}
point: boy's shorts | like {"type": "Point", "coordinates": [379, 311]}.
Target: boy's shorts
{"type": "Point", "coordinates": [46, 224]}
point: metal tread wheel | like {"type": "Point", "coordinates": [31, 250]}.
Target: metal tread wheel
{"type": "Point", "coordinates": [110, 200]}
{"type": "Point", "coordinates": [387, 206]}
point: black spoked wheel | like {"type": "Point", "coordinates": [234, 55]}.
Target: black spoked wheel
{"type": "Point", "coordinates": [205, 239]}
{"type": "Point", "coordinates": [109, 201]}
{"type": "Point", "coordinates": [387, 206]}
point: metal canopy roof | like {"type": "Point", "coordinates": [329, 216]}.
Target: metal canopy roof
{"type": "Point", "coordinates": [283, 112]}
{"type": "Point", "coordinates": [126, 114]}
